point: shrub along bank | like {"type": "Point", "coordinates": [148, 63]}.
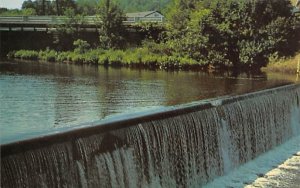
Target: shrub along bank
{"type": "Point", "coordinates": [283, 65]}
{"type": "Point", "coordinates": [138, 57]}
{"type": "Point", "coordinates": [238, 34]}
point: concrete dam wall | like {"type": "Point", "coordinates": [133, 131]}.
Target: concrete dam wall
{"type": "Point", "coordinates": [182, 146]}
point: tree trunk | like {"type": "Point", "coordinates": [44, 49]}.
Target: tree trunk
{"type": "Point", "coordinates": [43, 7]}
{"type": "Point", "coordinates": [57, 8]}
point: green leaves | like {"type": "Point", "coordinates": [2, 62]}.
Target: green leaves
{"type": "Point", "coordinates": [66, 32]}
{"type": "Point", "coordinates": [233, 32]}
{"type": "Point", "coordinates": [81, 46]}
{"type": "Point", "coordinates": [111, 28]}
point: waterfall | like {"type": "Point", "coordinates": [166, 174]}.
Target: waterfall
{"type": "Point", "coordinates": [185, 146]}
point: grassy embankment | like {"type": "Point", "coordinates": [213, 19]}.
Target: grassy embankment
{"type": "Point", "coordinates": [138, 57]}
{"type": "Point", "coordinates": [215, 38]}
{"type": "Point", "coordinates": [284, 65]}
{"type": "Point", "coordinates": [288, 65]}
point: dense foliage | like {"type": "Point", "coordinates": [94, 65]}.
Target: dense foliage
{"type": "Point", "coordinates": [143, 5]}
{"type": "Point", "coordinates": [41, 7]}
{"type": "Point", "coordinates": [208, 33]}
{"type": "Point", "coordinates": [65, 33]}
{"type": "Point", "coordinates": [85, 7]}
{"type": "Point", "coordinates": [111, 28]}
{"type": "Point", "coordinates": [237, 33]}
{"type": "Point", "coordinates": [44, 7]}
{"type": "Point", "coordinates": [88, 6]}
{"type": "Point", "coordinates": [17, 12]}
{"type": "Point", "coordinates": [138, 57]}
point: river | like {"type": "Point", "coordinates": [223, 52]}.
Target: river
{"type": "Point", "coordinates": [40, 98]}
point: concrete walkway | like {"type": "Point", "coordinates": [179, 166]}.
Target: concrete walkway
{"type": "Point", "coordinates": [286, 175]}
{"type": "Point", "coordinates": [277, 168]}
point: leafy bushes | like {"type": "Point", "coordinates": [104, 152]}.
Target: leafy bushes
{"type": "Point", "coordinates": [206, 33]}
{"type": "Point", "coordinates": [81, 46]}
{"type": "Point", "coordinates": [17, 12]}
{"type": "Point", "coordinates": [199, 34]}
{"type": "Point", "coordinates": [25, 54]}
{"type": "Point", "coordinates": [138, 57]}
{"type": "Point", "coordinates": [238, 33]}
{"type": "Point", "coordinates": [63, 57]}
{"type": "Point", "coordinates": [48, 55]}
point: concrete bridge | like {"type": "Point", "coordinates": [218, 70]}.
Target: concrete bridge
{"type": "Point", "coordinates": [87, 23]}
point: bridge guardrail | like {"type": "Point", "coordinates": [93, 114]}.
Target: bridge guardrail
{"type": "Point", "coordinates": [61, 19]}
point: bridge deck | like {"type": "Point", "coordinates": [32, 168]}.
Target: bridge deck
{"type": "Point", "coordinates": [54, 20]}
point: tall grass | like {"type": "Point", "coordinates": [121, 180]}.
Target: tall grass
{"type": "Point", "coordinates": [25, 54]}
{"type": "Point", "coordinates": [288, 65]}
{"type": "Point", "coordinates": [137, 57]}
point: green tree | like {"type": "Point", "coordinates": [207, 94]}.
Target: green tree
{"type": "Point", "coordinates": [143, 5]}
{"type": "Point", "coordinates": [111, 28]}
{"type": "Point", "coordinates": [29, 4]}
{"type": "Point", "coordinates": [17, 12]}
{"type": "Point", "coordinates": [62, 5]}
{"type": "Point", "coordinates": [87, 7]}
{"type": "Point", "coordinates": [41, 7]}
{"type": "Point", "coordinates": [81, 46]}
{"type": "Point", "coordinates": [178, 14]}
{"type": "Point", "coordinates": [68, 31]}
{"type": "Point", "coordinates": [57, 7]}
{"type": "Point", "coordinates": [240, 33]}
{"type": "Point", "coordinates": [46, 7]}
{"type": "Point", "coordinates": [67, 4]}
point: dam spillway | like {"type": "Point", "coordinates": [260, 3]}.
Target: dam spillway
{"type": "Point", "coordinates": [182, 146]}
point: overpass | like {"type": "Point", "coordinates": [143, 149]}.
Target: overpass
{"type": "Point", "coordinates": [39, 32]}
{"type": "Point", "coordinates": [44, 23]}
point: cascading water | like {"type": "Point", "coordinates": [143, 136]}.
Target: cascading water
{"type": "Point", "coordinates": [185, 147]}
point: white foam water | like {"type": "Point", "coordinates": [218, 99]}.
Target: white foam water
{"type": "Point", "coordinates": [254, 169]}
{"type": "Point", "coordinates": [186, 150]}
{"type": "Point", "coordinates": [250, 171]}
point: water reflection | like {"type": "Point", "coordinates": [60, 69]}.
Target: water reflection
{"type": "Point", "coordinates": [40, 97]}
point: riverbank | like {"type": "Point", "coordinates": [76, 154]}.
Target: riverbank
{"type": "Point", "coordinates": [145, 58]}
{"type": "Point", "coordinates": [138, 57]}
{"type": "Point", "coordinates": [134, 58]}
{"type": "Point", "coordinates": [283, 65]}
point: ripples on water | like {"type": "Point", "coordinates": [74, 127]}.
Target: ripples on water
{"type": "Point", "coordinates": [37, 98]}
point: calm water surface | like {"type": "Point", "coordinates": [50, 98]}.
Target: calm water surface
{"type": "Point", "coordinates": [38, 98]}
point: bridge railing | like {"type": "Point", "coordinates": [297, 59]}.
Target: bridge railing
{"type": "Point", "coordinates": [90, 20]}
{"type": "Point", "coordinates": [9, 19]}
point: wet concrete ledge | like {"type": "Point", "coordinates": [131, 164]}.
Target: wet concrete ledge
{"type": "Point", "coordinates": [125, 121]}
